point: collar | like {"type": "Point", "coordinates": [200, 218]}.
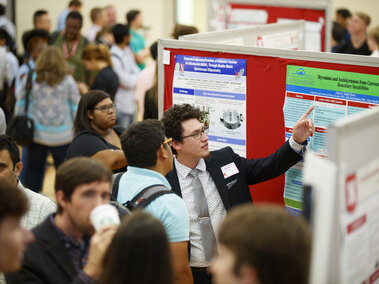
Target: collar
{"type": "Point", "coordinates": [184, 170]}
{"type": "Point", "coordinates": [66, 239]}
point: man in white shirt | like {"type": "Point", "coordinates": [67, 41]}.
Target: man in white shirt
{"type": "Point", "coordinates": [99, 18]}
{"type": "Point", "coordinates": [127, 71]}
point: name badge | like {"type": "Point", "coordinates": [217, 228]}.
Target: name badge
{"type": "Point", "coordinates": [229, 170]}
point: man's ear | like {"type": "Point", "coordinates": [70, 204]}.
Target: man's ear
{"type": "Point", "coordinates": [162, 153]}
{"type": "Point", "coordinates": [248, 275]}
{"type": "Point", "coordinates": [18, 169]}
{"type": "Point", "coordinates": [176, 145]}
{"type": "Point", "coordinates": [89, 114]}
{"type": "Point", "coordinates": [59, 195]}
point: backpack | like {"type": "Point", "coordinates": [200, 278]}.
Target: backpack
{"type": "Point", "coordinates": [141, 200]}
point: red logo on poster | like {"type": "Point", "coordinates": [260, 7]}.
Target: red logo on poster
{"type": "Point", "coordinates": [351, 193]}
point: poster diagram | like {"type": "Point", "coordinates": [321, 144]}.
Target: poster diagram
{"type": "Point", "coordinates": [335, 94]}
{"type": "Point", "coordinates": [218, 87]}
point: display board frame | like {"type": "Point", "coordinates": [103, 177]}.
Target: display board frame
{"type": "Point", "coordinates": [250, 35]}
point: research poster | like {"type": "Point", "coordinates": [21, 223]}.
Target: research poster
{"type": "Point", "coordinates": [360, 225]}
{"type": "Point", "coordinates": [335, 94]}
{"type": "Point", "coordinates": [218, 87]}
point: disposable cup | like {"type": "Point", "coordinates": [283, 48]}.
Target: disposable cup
{"type": "Point", "coordinates": [104, 214]}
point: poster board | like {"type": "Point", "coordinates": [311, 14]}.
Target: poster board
{"type": "Point", "coordinates": [230, 14]}
{"type": "Point", "coordinates": [265, 90]}
{"type": "Point", "coordinates": [284, 35]}
{"type": "Point", "coordinates": [346, 202]}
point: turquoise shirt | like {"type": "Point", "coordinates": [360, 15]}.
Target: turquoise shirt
{"type": "Point", "coordinates": [137, 43]}
{"type": "Point", "coordinates": [168, 208]}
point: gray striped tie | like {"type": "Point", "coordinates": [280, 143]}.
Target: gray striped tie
{"type": "Point", "coordinates": [206, 230]}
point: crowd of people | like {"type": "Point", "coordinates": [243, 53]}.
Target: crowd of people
{"type": "Point", "coordinates": [84, 94]}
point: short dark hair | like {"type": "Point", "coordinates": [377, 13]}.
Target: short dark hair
{"type": "Point", "coordinates": [29, 36]}
{"type": "Point", "coordinates": [139, 253]}
{"type": "Point", "coordinates": [78, 171]}
{"type": "Point", "coordinates": [75, 15]}
{"type": "Point", "coordinates": [13, 202]}
{"type": "Point", "coordinates": [86, 103]}
{"type": "Point", "coordinates": [175, 115]}
{"type": "Point", "coordinates": [38, 14]}
{"type": "Point", "coordinates": [75, 3]}
{"type": "Point", "coordinates": [154, 50]}
{"type": "Point", "coordinates": [141, 141]}
{"type": "Point", "coordinates": [337, 32]}
{"type": "Point", "coordinates": [131, 15]}
{"type": "Point", "coordinates": [7, 143]}
{"type": "Point", "coordinates": [267, 238]}
{"type": "Point", "coordinates": [5, 35]}
{"type": "Point", "coordinates": [344, 13]}
{"type": "Point", "coordinates": [119, 32]}
{"type": "Point", "coordinates": [2, 10]}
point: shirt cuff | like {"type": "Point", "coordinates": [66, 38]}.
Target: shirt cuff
{"type": "Point", "coordinates": [297, 147]}
{"type": "Point", "coordinates": [86, 279]}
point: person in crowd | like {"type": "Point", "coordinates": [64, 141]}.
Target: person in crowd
{"type": "Point", "coordinates": [66, 248]}
{"type": "Point", "coordinates": [343, 17]}
{"type": "Point", "coordinates": [358, 37]}
{"type": "Point", "coordinates": [181, 30]}
{"type": "Point", "coordinates": [41, 20]}
{"type": "Point", "coordinates": [99, 20]}
{"type": "Point", "coordinates": [5, 23]}
{"type": "Point", "coordinates": [96, 134]}
{"type": "Point", "coordinates": [127, 72]}
{"type": "Point", "coordinates": [137, 42]}
{"type": "Point", "coordinates": [73, 5]}
{"type": "Point", "coordinates": [112, 15]}
{"type": "Point", "coordinates": [105, 36]}
{"type": "Point", "coordinates": [72, 43]}
{"type": "Point", "coordinates": [13, 237]}
{"type": "Point", "coordinates": [3, 122]}
{"type": "Point", "coordinates": [12, 61]}
{"type": "Point", "coordinates": [97, 58]}
{"type": "Point", "coordinates": [337, 37]}
{"type": "Point", "coordinates": [262, 244]}
{"type": "Point", "coordinates": [373, 41]}
{"type": "Point", "coordinates": [149, 159]}
{"type": "Point", "coordinates": [150, 109]}
{"type": "Point", "coordinates": [53, 101]}
{"type": "Point", "coordinates": [139, 253]}
{"type": "Point", "coordinates": [34, 41]}
{"type": "Point", "coordinates": [211, 183]}
{"type": "Point", "coordinates": [11, 166]}
{"type": "Point", "coordinates": [4, 76]}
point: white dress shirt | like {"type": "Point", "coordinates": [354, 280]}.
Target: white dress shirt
{"type": "Point", "coordinates": [217, 211]}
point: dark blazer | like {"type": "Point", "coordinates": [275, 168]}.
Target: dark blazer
{"type": "Point", "coordinates": [46, 260]}
{"type": "Point", "coordinates": [234, 189]}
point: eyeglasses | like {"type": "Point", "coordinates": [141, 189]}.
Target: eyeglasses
{"type": "Point", "coordinates": [106, 108]}
{"type": "Point", "coordinates": [198, 134]}
{"type": "Point", "coordinates": [168, 142]}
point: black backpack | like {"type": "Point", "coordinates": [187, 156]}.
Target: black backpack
{"type": "Point", "coordinates": [141, 200]}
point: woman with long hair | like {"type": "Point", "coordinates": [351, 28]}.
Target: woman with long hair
{"type": "Point", "coordinates": [139, 253]}
{"type": "Point", "coordinates": [96, 134]}
{"type": "Point", "coordinates": [97, 58]}
{"type": "Point", "coordinates": [53, 101]}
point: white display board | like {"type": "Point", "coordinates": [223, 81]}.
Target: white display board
{"type": "Point", "coordinates": [345, 190]}
{"type": "Point", "coordinates": [278, 35]}
{"type": "Point", "coordinates": [231, 14]}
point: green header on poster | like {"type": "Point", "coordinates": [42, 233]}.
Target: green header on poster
{"type": "Point", "coordinates": [339, 81]}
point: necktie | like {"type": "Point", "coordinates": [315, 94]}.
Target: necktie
{"type": "Point", "coordinates": [206, 230]}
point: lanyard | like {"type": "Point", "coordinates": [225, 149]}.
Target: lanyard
{"type": "Point", "coordinates": [67, 56]}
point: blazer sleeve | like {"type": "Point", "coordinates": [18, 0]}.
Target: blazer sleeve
{"type": "Point", "coordinates": [262, 169]}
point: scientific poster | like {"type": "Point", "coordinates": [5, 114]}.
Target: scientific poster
{"type": "Point", "coordinates": [335, 94]}
{"type": "Point", "coordinates": [360, 225]}
{"type": "Point", "coordinates": [218, 87]}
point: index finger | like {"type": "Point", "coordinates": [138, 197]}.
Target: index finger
{"type": "Point", "coordinates": [305, 115]}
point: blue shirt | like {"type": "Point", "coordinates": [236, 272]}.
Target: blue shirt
{"type": "Point", "coordinates": [168, 208]}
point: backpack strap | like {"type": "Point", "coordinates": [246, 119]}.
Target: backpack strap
{"type": "Point", "coordinates": [116, 182]}
{"type": "Point", "coordinates": [146, 196]}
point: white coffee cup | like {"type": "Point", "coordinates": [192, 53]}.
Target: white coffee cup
{"type": "Point", "coordinates": [104, 214]}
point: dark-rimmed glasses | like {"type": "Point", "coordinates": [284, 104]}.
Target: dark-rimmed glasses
{"type": "Point", "coordinates": [198, 134]}
{"type": "Point", "coordinates": [106, 108]}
